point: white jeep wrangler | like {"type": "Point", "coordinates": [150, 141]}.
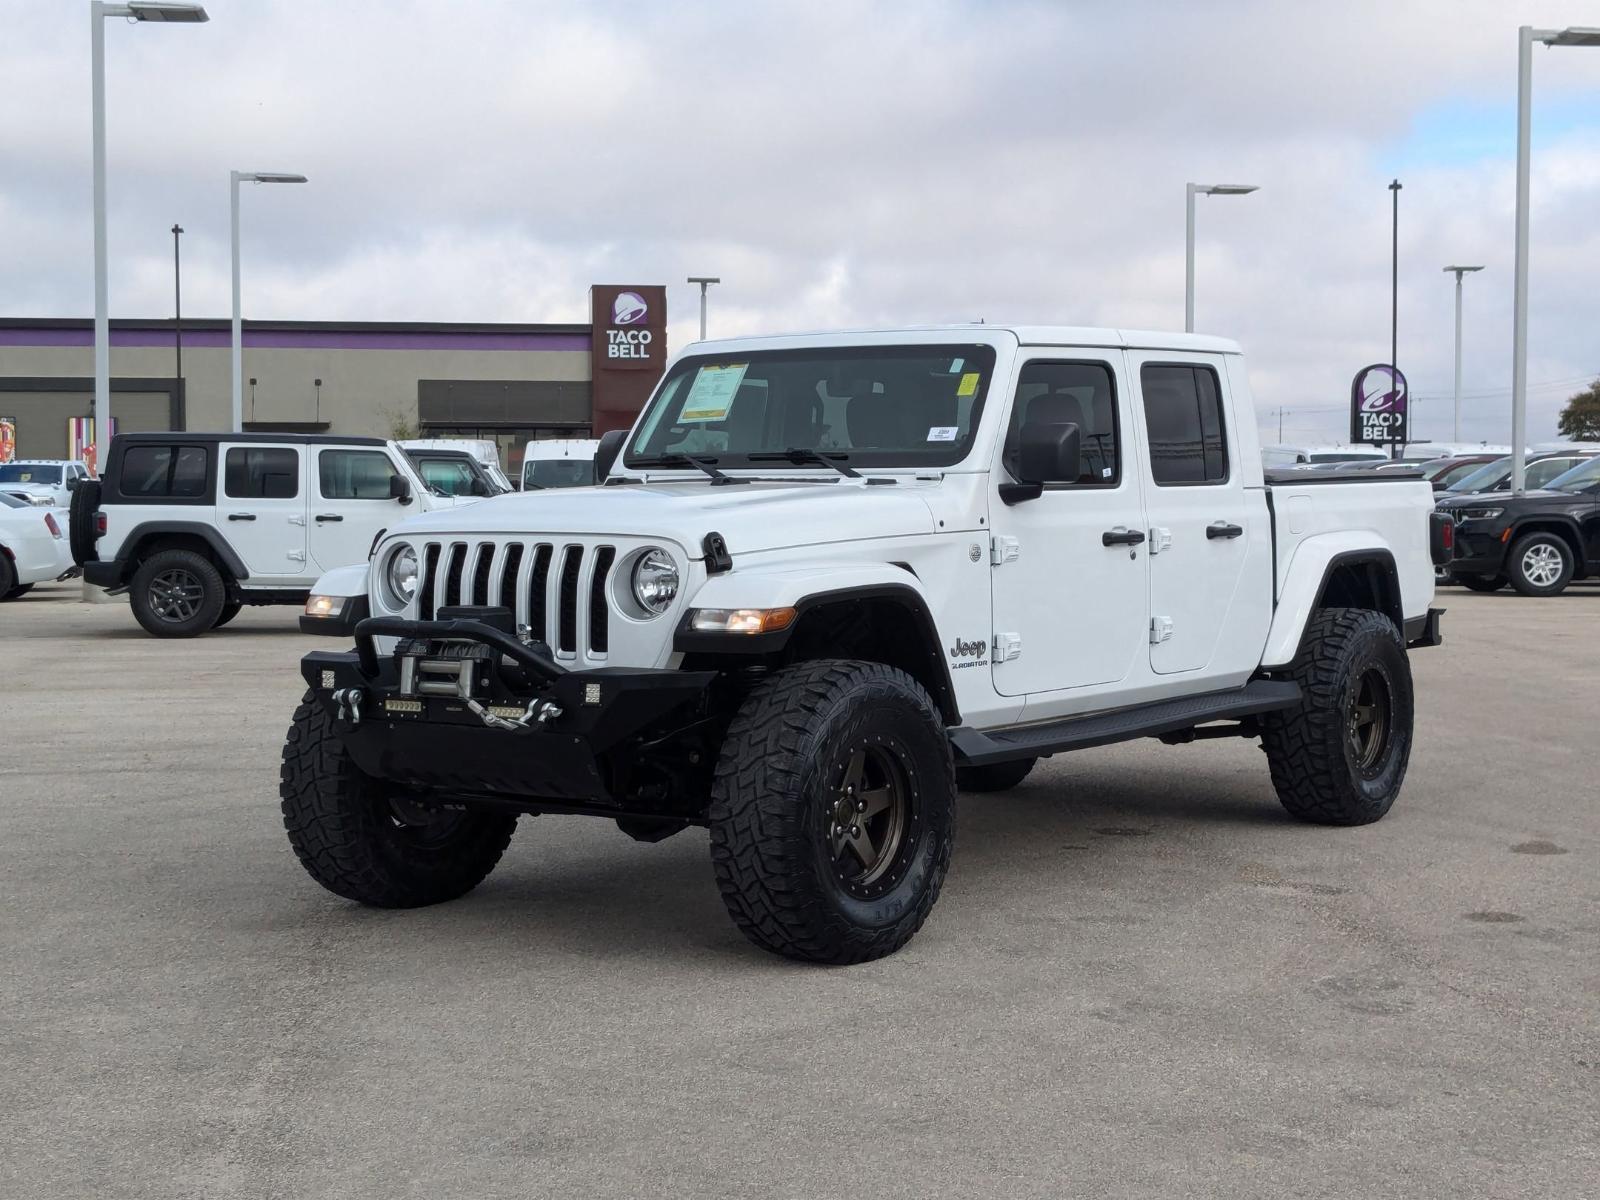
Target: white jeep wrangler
{"type": "Point", "coordinates": [830, 580]}
{"type": "Point", "coordinates": [193, 526]}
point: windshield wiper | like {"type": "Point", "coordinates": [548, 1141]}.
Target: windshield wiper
{"type": "Point", "coordinates": [801, 456]}
{"type": "Point", "coordinates": [708, 465]}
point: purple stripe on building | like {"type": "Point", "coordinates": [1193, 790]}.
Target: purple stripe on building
{"type": "Point", "coordinates": [306, 339]}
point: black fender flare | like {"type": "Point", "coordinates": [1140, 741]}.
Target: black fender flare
{"type": "Point", "coordinates": [688, 641]}
{"type": "Point", "coordinates": [219, 544]}
{"type": "Point", "coordinates": [1383, 577]}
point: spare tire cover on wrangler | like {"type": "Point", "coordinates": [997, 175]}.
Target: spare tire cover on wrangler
{"type": "Point", "coordinates": [80, 520]}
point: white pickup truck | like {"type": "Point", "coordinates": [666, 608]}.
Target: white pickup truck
{"type": "Point", "coordinates": [830, 580]}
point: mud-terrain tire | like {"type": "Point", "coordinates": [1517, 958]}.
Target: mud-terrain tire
{"type": "Point", "coordinates": [177, 594]}
{"type": "Point", "coordinates": [80, 520]}
{"type": "Point", "coordinates": [359, 843]}
{"type": "Point", "coordinates": [230, 610]}
{"type": "Point", "coordinates": [1479, 583]}
{"type": "Point", "coordinates": [1340, 755]}
{"type": "Point", "coordinates": [811, 747]}
{"type": "Point", "coordinates": [1540, 564]}
{"type": "Point", "coordinates": [994, 777]}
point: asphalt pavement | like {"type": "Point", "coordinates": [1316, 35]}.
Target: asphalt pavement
{"type": "Point", "coordinates": [1142, 979]}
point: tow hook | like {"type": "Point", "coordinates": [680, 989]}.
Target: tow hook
{"type": "Point", "coordinates": [347, 703]}
{"type": "Point", "coordinates": [540, 712]}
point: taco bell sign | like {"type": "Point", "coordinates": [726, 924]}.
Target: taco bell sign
{"type": "Point", "coordinates": [628, 350]}
{"type": "Point", "coordinates": [1380, 405]}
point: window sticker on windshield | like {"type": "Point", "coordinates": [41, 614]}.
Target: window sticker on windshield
{"type": "Point", "coordinates": [942, 433]}
{"type": "Point", "coordinates": [968, 385]}
{"type": "Point", "coordinates": [956, 365]}
{"type": "Point", "coordinates": [711, 395]}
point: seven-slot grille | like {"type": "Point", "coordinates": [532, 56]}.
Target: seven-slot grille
{"type": "Point", "coordinates": [556, 589]}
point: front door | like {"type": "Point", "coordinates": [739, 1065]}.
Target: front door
{"type": "Point", "coordinates": [351, 503]}
{"type": "Point", "coordinates": [1068, 569]}
{"type": "Point", "coordinates": [261, 510]}
{"type": "Point", "coordinates": [1204, 528]}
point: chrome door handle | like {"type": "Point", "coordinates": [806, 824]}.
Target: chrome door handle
{"type": "Point", "coordinates": [321, 517]}
{"type": "Point", "coordinates": [1223, 529]}
{"type": "Point", "coordinates": [1121, 536]}
{"type": "Point", "coordinates": [241, 516]}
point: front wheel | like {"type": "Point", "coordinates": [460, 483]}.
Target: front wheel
{"type": "Point", "coordinates": [367, 841]}
{"type": "Point", "coordinates": [1540, 564]}
{"type": "Point", "coordinates": [1339, 756]}
{"type": "Point", "coordinates": [833, 812]}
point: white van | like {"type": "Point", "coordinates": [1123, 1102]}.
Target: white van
{"type": "Point", "coordinates": [558, 463]}
{"type": "Point", "coordinates": [484, 450]}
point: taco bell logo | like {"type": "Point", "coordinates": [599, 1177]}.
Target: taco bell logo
{"type": "Point", "coordinates": [1379, 405]}
{"type": "Point", "coordinates": [631, 340]}
{"type": "Point", "coordinates": [628, 308]}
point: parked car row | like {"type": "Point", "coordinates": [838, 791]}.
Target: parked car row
{"type": "Point", "coordinates": [33, 547]}
{"type": "Point", "coordinates": [1538, 542]}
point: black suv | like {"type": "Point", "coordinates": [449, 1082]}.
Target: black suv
{"type": "Point", "coordinates": [1538, 542]}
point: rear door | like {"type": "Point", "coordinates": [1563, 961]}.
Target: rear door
{"type": "Point", "coordinates": [1209, 535]}
{"type": "Point", "coordinates": [1068, 568]}
{"type": "Point", "coordinates": [351, 502]}
{"type": "Point", "coordinates": [261, 510]}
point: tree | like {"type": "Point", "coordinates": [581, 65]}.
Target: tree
{"type": "Point", "coordinates": [1580, 419]}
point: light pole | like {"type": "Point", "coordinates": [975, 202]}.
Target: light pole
{"type": "Point", "coordinates": [177, 309]}
{"type": "Point", "coordinates": [1526, 37]}
{"type": "Point", "coordinates": [1190, 191]}
{"type": "Point", "coordinates": [704, 281]}
{"type": "Point", "coordinates": [1459, 272]}
{"type": "Point", "coordinates": [235, 178]}
{"type": "Point", "coordinates": [98, 12]}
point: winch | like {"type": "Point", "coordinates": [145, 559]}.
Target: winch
{"type": "Point", "coordinates": [473, 671]}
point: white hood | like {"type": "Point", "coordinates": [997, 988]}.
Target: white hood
{"type": "Point", "coordinates": [762, 515]}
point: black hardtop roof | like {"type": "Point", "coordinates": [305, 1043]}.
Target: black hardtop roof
{"type": "Point", "coordinates": [278, 439]}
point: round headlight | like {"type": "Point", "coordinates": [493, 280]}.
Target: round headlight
{"type": "Point", "coordinates": [655, 581]}
{"type": "Point", "coordinates": [402, 574]}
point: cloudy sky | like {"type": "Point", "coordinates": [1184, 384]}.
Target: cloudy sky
{"type": "Point", "coordinates": [839, 165]}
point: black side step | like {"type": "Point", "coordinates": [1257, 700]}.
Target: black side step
{"type": "Point", "coordinates": [1123, 724]}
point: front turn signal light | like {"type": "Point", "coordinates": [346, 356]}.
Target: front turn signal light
{"type": "Point", "coordinates": [325, 606]}
{"type": "Point", "coordinates": [741, 620]}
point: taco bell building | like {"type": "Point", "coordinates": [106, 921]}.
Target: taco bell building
{"type": "Point", "coordinates": [509, 382]}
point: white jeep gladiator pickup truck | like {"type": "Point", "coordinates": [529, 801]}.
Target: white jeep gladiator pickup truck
{"type": "Point", "coordinates": [833, 578]}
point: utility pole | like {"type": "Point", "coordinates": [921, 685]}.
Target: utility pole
{"type": "Point", "coordinates": [704, 281]}
{"type": "Point", "coordinates": [177, 308]}
{"type": "Point", "coordinates": [1394, 297]}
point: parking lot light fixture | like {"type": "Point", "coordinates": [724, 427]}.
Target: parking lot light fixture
{"type": "Point", "coordinates": [1459, 272]}
{"type": "Point", "coordinates": [1526, 37]}
{"type": "Point", "coordinates": [704, 281]}
{"type": "Point", "coordinates": [235, 178]}
{"type": "Point", "coordinates": [98, 12]}
{"type": "Point", "coordinates": [1192, 190]}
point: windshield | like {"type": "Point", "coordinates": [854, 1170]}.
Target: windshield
{"type": "Point", "coordinates": [1579, 479]}
{"type": "Point", "coordinates": [449, 476]}
{"type": "Point", "coordinates": [1483, 479]}
{"type": "Point", "coordinates": [905, 406]}
{"type": "Point", "coordinates": [557, 473]}
{"type": "Point", "coordinates": [29, 473]}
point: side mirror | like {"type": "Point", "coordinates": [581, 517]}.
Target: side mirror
{"type": "Point", "coordinates": [606, 456]}
{"type": "Point", "coordinates": [1046, 453]}
{"type": "Point", "coordinates": [399, 489]}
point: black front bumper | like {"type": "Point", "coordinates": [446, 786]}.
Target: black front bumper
{"type": "Point", "coordinates": [589, 754]}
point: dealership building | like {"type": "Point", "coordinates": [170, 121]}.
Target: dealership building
{"type": "Point", "coordinates": [509, 382]}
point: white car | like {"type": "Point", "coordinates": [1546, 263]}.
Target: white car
{"type": "Point", "coordinates": [42, 482]}
{"type": "Point", "coordinates": [193, 526]}
{"type": "Point", "coordinates": [834, 577]}
{"type": "Point", "coordinates": [33, 547]}
{"type": "Point", "coordinates": [558, 463]}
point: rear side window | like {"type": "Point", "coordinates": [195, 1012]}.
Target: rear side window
{"type": "Point", "coordinates": [156, 472]}
{"type": "Point", "coordinates": [1078, 393]}
{"type": "Point", "coordinates": [1183, 415]}
{"type": "Point", "coordinates": [262, 473]}
{"type": "Point", "coordinates": [355, 474]}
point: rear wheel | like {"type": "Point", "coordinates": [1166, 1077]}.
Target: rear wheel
{"type": "Point", "coordinates": [833, 812]}
{"type": "Point", "coordinates": [1480, 583]}
{"type": "Point", "coordinates": [994, 777]}
{"type": "Point", "coordinates": [177, 593]}
{"type": "Point", "coordinates": [368, 841]}
{"type": "Point", "coordinates": [8, 578]}
{"type": "Point", "coordinates": [1540, 564]}
{"type": "Point", "coordinates": [1338, 758]}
